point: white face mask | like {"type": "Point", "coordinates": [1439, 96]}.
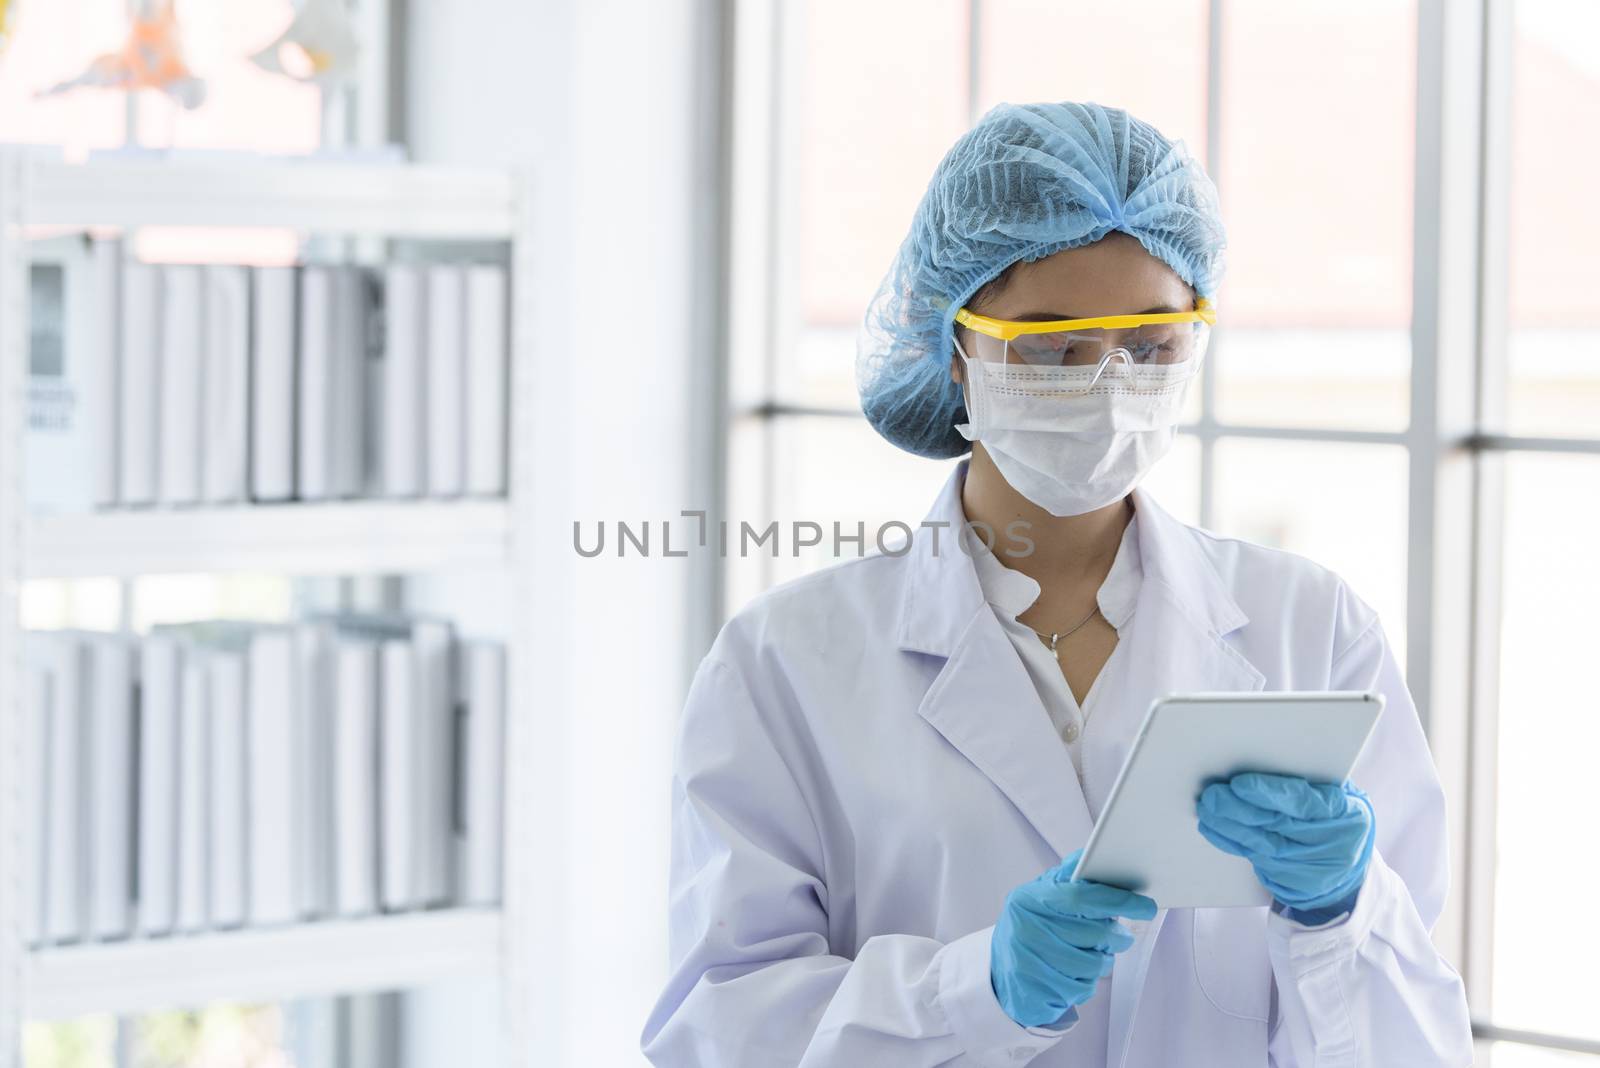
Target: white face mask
{"type": "Point", "coordinates": [1073, 439]}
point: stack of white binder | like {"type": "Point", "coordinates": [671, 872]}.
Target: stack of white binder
{"type": "Point", "coordinates": [184, 384]}
{"type": "Point", "coordinates": [221, 775]}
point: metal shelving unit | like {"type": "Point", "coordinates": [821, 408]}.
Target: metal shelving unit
{"type": "Point", "coordinates": [348, 538]}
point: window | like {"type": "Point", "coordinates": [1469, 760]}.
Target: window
{"type": "Point", "coordinates": [1547, 738]}
{"type": "Point", "coordinates": [1540, 466]}
{"type": "Point", "coordinates": [49, 44]}
{"type": "Point", "coordinates": [227, 1034]}
{"type": "Point", "coordinates": [832, 184]}
{"type": "Point", "coordinates": [1314, 430]}
{"type": "Point", "coordinates": [245, 107]}
{"type": "Point", "coordinates": [1553, 359]}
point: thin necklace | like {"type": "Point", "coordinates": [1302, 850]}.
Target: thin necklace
{"type": "Point", "coordinates": [1052, 639]}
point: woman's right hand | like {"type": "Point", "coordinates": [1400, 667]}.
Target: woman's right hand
{"type": "Point", "coordinates": [1055, 940]}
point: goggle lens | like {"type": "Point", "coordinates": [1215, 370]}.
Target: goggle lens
{"type": "Point", "coordinates": [1161, 343]}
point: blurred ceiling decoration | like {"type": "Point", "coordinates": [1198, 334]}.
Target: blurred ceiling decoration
{"type": "Point", "coordinates": [150, 58]}
{"type": "Point", "coordinates": [319, 46]}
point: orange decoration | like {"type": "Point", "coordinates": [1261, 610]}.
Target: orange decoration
{"type": "Point", "coordinates": [150, 58]}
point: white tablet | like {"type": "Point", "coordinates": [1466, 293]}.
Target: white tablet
{"type": "Point", "coordinates": [1147, 838]}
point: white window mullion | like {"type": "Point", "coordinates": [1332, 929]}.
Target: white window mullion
{"type": "Point", "coordinates": [1478, 867]}
{"type": "Point", "coordinates": [1445, 292]}
{"type": "Point", "coordinates": [1215, 14]}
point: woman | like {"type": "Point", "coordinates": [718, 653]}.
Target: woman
{"type": "Point", "coordinates": [885, 768]}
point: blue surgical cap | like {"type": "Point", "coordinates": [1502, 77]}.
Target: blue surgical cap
{"type": "Point", "coordinates": [1027, 181]}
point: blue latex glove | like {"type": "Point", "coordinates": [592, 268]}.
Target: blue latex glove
{"type": "Point", "coordinates": [1309, 843]}
{"type": "Point", "coordinates": [1055, 940]}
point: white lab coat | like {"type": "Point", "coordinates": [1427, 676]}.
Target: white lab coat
{"type": "Point", "coordinates": [864, 771]}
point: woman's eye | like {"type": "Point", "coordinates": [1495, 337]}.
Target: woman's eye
{"type": "Point", "coordinates": [1042, 346]}
{"type": "Point", "coordinates": [1154, 351]}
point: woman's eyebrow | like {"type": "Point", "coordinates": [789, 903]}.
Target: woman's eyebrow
{"type": "Point", "coordinates": [1047, 316]}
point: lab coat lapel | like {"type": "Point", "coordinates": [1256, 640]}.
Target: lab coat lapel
{"type": "Point", "coordinates": [1175, 645]}
{"type": "Point", "coordinates": [982, 700]}
{"type": "Point", "coordinates": [985, 705]}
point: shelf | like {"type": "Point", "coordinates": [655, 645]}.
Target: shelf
{"type": "Point", "coordinates": [356, 537]}
{"type": "Point", "coordinates": [314, 959]}
{"type": "Point", "coordinates": [327, 197]}
{"type": "Point", "coordinates": [324, 195]}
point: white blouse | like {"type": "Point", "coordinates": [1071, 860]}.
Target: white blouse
{"type": "Point", "coordinates": [1010, 592]}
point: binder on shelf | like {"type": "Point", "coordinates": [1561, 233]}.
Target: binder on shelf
{"type": "Point", "coordinates": [332, 407]}
{"type": "Point", "coordinates": [400, 825]}
{"type": "Point", "coordinates": [486, 379]}
{"type": "Point", "coordinates": [416, 736]}
{"type": "Point", "coordinates": [355, 776]}
{"type": "Point", "coordinates": [270, 720]}
{"type": "Point", "coordinates": [110, 787]}
{"type": "Point", "coordinates": [314, 704]}
{"type": "Point", "coordinates": [67, 909]}
{"type": "Point", "coordinates": [272, 377]}
{"type": "Point", "coordinates": [182, 333]}
{"type": "Point", "coordinates": [433, 647]}
{"type": "Point", "coordinates": [446, 379]}
{"type": "Point", "coordinates": [227, 777]}
{"type": "Point", "coordinates": [62, 454]}
{"type": "Point", "coordinates": [161, 680]}
{"type": "Point", "coordinates": [481, 770]}
{"type": "Point", "coordinates": [225, 449]}
{"type": "Point", "coordinates": [403, 436]}
{"type": "Point", "coordinates": [36, 802]}
{"type": "Point", "coordinates": [105, 341]}
{"type": "Point", "coordinates": [139, 383]}
{"type": "Point", "coordinates": [376, 421]}
{"type": "Point", "coordinates": [315, 411]}
{"type": "Point", "coordinates": [352, 310]}
{"type": "Point", "coordinates": [194, 795]}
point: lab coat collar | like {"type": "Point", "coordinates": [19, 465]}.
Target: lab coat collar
{"type": "Point", "coordinates": [944, 591]}
{"type": "Point", "coordinates": [1171, 555]}
{"type": "Point", "coordinates": [1011, 592]}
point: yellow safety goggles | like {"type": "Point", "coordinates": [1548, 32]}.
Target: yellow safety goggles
{"type": "Point", "coordinates": [1161, 337]}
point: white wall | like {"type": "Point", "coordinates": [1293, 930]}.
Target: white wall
{"type": "Point", "coordinates": [596, 97]}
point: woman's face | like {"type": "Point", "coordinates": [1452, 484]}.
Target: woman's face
{"type": "Point", "coordinates": [1113, 276]}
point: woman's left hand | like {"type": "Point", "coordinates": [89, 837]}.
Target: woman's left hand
{"type": "Point", "coordinates": [1309, 843]}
